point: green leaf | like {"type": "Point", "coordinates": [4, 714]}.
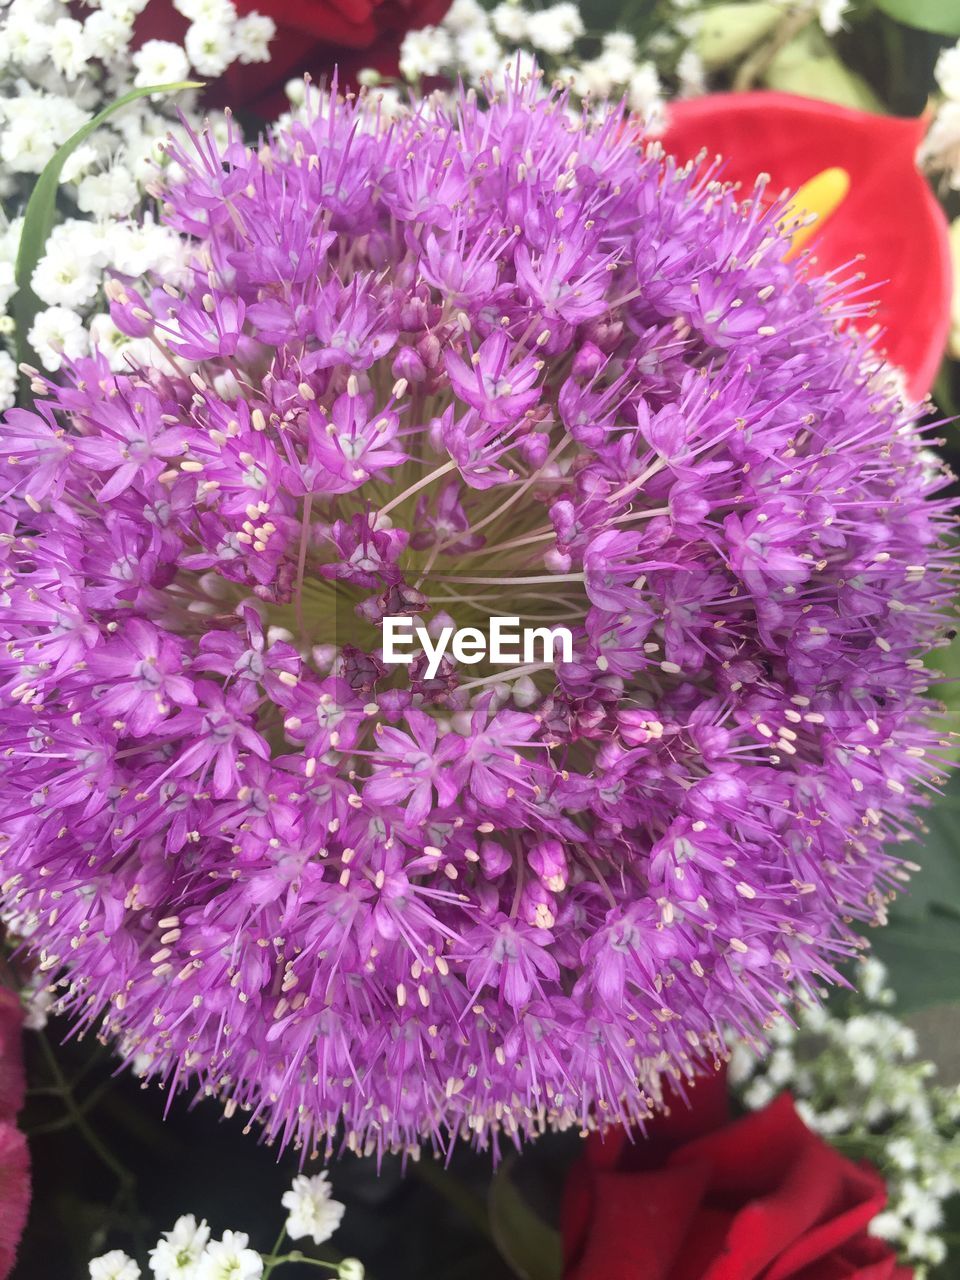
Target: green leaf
{"type": "Point", "coordinates": [531, 1247]}
{"type": "Point", "coordinates": [809, 66]}
{"type": "Point", "coordinates": [923, 960]}
{"type": "Point", "coordinates": [41, 209]}
{"type": "Point", "coordinates": [939, 16]}
{"type": "Point", "coordinates": [727, 32]}
{"type": "Point", "coordinates": [935, 888]}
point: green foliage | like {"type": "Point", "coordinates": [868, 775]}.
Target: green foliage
{"type": "Point", "coordinates": [41, 211]}
{"type": "Point", "coordinates": [808, 65]}
{"type": "Point", "coordinates": [923, 960]}
{"type": "Point", "coordinates": [921, 944]}
{"type": "Point", "coordinates": [729, 31]}
{"type": "Point", "coordinates": [939, 16]}
{"type": "Point", "coordinates": [531, 1247]}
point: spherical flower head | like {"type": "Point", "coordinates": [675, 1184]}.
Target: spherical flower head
{"type": "Point", "coordinates": [496, 362]}
{"type": "Point", "coordinates": [312, 1212]}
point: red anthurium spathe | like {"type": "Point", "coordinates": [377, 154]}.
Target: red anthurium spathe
{"type": "Point", "coordinates": [888, 214]}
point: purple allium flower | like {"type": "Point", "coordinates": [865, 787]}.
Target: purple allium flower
{"type": "Point", "coordinates": [493, 362]}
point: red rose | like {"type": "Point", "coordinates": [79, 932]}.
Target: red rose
{"type": "Point", "coordinates": [312, 36]}
{"type": "Point", "coordinates": [761, 1198]}
{"type": "Point", "coordinates": [889, 215]}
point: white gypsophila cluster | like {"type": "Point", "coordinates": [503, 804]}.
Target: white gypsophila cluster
{"type": "Point", "coordinates": [941, 147]}
{"type": "Point", "coordinates": [474, 42]}
{"type": "Point", "coordinates": [60, 64]}
{"type": "Point", "coordinates": [187, 1252]}
{"type": "Point", "coordinates": [857, 1082]}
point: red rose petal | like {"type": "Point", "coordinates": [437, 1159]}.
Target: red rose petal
{"type": "Point", "coordinates": [640, 1223]}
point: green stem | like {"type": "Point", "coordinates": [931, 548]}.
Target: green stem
{"type": "Point", "coordinates": [273, 1260]}
{"type": "Point", "coordinates": [82, 1108]}
{"type": "Point", "coordinates": [755, 67]}
{"type": "Point", "coordinates": [76, 1114]}
{"type": "Point", "coordinates": [273, 1253]}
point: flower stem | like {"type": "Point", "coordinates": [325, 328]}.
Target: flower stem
{"type": "Point", "coordinates": [272, 1259]}
{"type": "Point", "coordinates": [755, 67]}
{"type": "Point", "coordinates": [420, 484]}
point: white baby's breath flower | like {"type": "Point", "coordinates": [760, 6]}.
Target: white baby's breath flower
{"type": "Point", "coordinates": [8, 393]}
{"type": "Point", "coordinates": [479, 52]}
{"type": "Point", "coordinates": [780, 1067]}
{"type": "Point", "coordinates": [464, 14]}
{"type": "Point", "coordinates": [917, 1205]}
{"type": "Point", "coordinates": [160, 62]}
{"type": "Point", "coordinates": [759, 1094]}
{"type": "Point", "coordinates": [252, 36]}
{"type": "Point", "coordinates": [510, 21]}
{"type": "Point", "coordinates": [941, 147]}
{"type": "Point", "coordinates": [58, 332]}
{"type": "Point", "coordinates": [351, 1269]}
{"type": "Point", "coordinates": [621, 43]}
{"type": "Point", "coordinates": [831, 14]}
{"type": "Point", "coordinates": [229, 1259]}
{"type": "Point", "coordinates": [296, 91]}
{"type": "Point", "coordinates": [139, 247]}
{"type": "Point", "coordinates": [948, 71]}
{"type": "Point", "coordinates": [886, 1226]}
{"type": "Point", "coordinates": [903, 1153]}
{"type": "Point", "coordinates": [37, 124]}
{"type": "Point", "coordinates": [864, 1069]}
{"type": "Point", "coordinates": [79, 162]}
{"type": "Point", "coordinates": [218, 11]}
{"type": "Point", "coordinates": [108, 34]}
{"type": "Point", "coordinates": [209, 46]}
{"type": "Point", "coordinates": [691, 74]}
{"type": "Point", "coordinates": [108, 195]}
{"type": "Point", "coordinates": [644, 90]}
{"type": "Point", "coordinates": [556, 29]}
{"type": "Point", "coordinates": [742, 1064]}
{"type": "Point", "coordinates": [872, 978]}
{"type": "Point", "coordinates": [26, 39]}
{"type": "Point", "coordinates": [312, 1210]}
{"type": "Point", "coordinates": [124, 6]}
{"type": "Point", "coordinates": [62, 281]}
{"type": "Point", "coordinates": [114, 1265]}
{"type": "Point", "coordinates": [425, 52]}
{"type": "Point", "coordinates": [178, 1251]}
{"type": "Point", "coordinates": [69, 48]}
{"type": "Point", "coordinates": [833, 1121]}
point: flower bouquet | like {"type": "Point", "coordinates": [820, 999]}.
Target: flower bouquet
{"type": "Point", "coordinates": [477, 540]}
